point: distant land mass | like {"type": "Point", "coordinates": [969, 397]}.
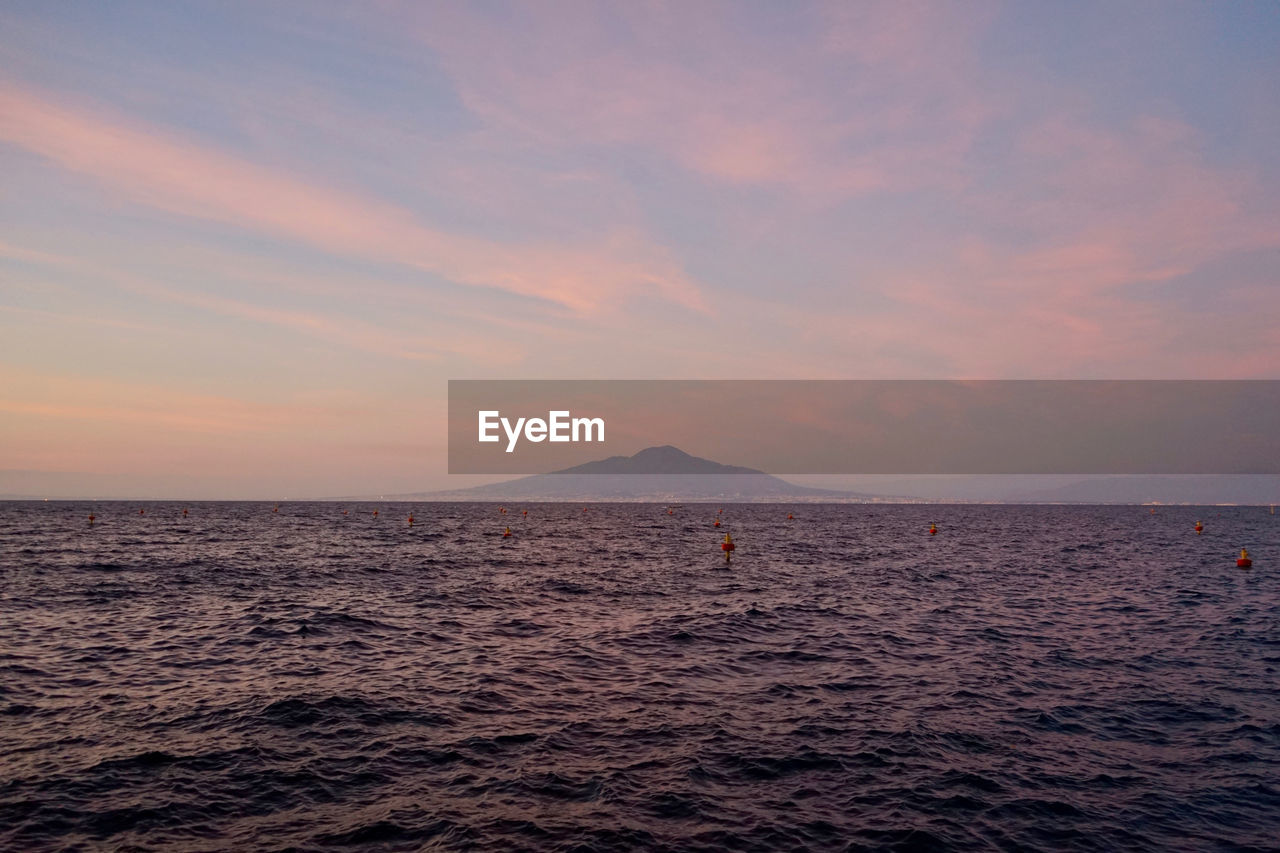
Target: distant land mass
{"type": "Point", "coordinates": [1204, 489]}
{"type": "Point", "coordinates": [654, 474]}
{"type": "Point", "coordinates": [668, 474]}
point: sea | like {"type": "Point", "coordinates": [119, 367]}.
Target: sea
{"type": "Point", "coordinates": [315, 677]}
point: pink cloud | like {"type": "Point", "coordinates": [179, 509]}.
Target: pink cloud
{"type": "Point", "coordinates": [149, 167]}
{"type": "Point", "coordinates": [722, 107]}
{"type": "Point", "coordinates": [340, 329]}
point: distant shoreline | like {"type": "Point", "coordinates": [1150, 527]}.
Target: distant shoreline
{"type": "Point", "coordinates": [609, 501]}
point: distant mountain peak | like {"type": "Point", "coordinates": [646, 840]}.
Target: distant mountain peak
{"type": "Point", "coordinates": [664, 459]}
{"type": "Point", "coordinates": [660, 473]}
{"type": "Point", "coordinates": [663, 450]}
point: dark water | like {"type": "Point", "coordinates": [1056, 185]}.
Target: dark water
{"type": "Point", "coordinates": [1040, 678]}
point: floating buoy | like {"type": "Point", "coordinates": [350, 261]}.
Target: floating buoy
{"type": "Point", "coordinates": [502, 510]}
{"type": "Point", "coordinates": [728, 547]}
{"type": "Point", "coordinates": [276, 508]}
{"type": "Point", "coordinates": [717, 522]}
{"type": "Point", "coordinates": [933, 530]}
{"type": "Point", "coordinates": [790, 517]}
{"type": "Point", "coordinates": [142, 512]}
{"type": "Point", "coordinates": [375, 513]}
{"type": "Point", "coordinates": [720, 512]}
{"type": "Point", "coordinates": [670, 512]}
{"type": "Point", "coordinates": [1153, 510]}
{"type": "Point", "coordinates": [184, 513]}
{"type": "Point", "coordinates": [506, 533]}
{"type": "Point", "coordinates": [91, 517]}
{"type": "Point", "coordinates": [524, 512]}
{"type": "Point", "coordinates": [1199, 528]}
{"type": "Point", "coordinates": [1244, 562]}
{"type": "Point", "coordinates": [344, 512]}
{"type": "Point", "coordinates": [411, 521]}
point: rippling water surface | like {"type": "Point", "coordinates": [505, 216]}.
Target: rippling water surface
{"type": "Point", "coordinates": [1089, 678]}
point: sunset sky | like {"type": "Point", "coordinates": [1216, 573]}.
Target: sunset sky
{"type": "Point", "coordinates": [243, 246]}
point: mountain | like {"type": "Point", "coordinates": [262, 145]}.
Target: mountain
{"type": "Point", "coordinates": [659, 461]}
{"type": "Point", "coordinates": [656, 474]}
{"type": "Point", "coordinates": [667, 474]}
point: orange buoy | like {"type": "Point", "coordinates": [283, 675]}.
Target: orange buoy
{"type": "Point", "coordinates": [375, 513]}
{"type": "Point", "coordinates": [91, 517]}
{"type": "Point", "coordinates": [411, 521]}
{"type": "Point", "coordinates": [524, 512]}
{"type": "Point", "coordinates": [506, 533]}
{"type": "Point", "coordinates": [670, 512]}
{"type": "Point", "coordinates": [184, 512]}
{"type": "Point", "coordinates": [1199, 528]}
{"type": "Point", "coordinates": [344, 512]}
{"type": "Point", "coordinates": [933, 530]}
{"type": "Point", "coordinates": [790, 517]}
{"type": "Point", "coordinates": [728, 547]}
{"type": "Point", "coordinates": [717, 522]}
{"type": "Point", "coordinates": [1244, 562]}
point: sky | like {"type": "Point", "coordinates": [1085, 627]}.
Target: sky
{"type": "Point", "coordinates": [244, 246]}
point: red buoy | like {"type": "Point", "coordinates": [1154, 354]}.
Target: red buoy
{"type": "Point", "coordinates": [1244, 562]}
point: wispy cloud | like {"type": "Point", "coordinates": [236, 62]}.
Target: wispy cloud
{"type": "Point", "coordinates": [339, 329]}
{"type": "Point", "coordinates": [881, 103]}
{"type": "Point", "coordinates": [148, 166]}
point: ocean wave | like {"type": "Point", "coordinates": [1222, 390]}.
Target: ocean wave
{"type": "Point", "coordinates": [1083, 678]}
